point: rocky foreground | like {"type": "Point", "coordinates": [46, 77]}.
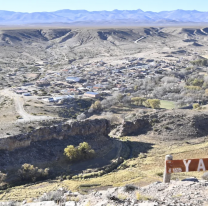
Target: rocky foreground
{"type": "Point", "coordinates": [190, 192]}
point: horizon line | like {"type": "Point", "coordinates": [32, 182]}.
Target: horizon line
{"type": "Point", "coordinates": [102, 10]}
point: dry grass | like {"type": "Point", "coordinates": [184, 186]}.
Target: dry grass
{"type": "Point", "coordinates": [88, 204]}
{"type": "Point", "coordinates": [140, 171]}
{"type": "Point", "coordinates": [141, 197]}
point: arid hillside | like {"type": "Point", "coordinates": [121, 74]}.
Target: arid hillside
{"type": "Point", "coordinates": [24, 45]}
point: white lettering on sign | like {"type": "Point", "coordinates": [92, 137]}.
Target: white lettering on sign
{"type": "Point", "coordinates": [177, 170]}
{"type": "Point", "coordinates": [201, 165]}
{"type": "Point", "coordinates": [187, 164]}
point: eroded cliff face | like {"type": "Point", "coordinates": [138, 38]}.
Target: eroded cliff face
{"type": "Point", "coordinates": [45, 146]}
{"type": "Point", "coordinates": [63, 131]}
{"type": "Point", "coordinates": [174, 125]}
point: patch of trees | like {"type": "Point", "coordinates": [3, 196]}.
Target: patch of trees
{"type": "Point", "coordinates": [195, 82]}
{"type": "Point", "coordinates": [96, 106]}
{"type": "Point", "coordinates": [153, 103]}
{"type": "Point", "coordinates": [193, 88]}
{"type": "Point", "coordinates": [80, 153]}
{"type": "Point", "coordinates": [30, 173]}
{"type": "Point", "coordinates": [140, 101]}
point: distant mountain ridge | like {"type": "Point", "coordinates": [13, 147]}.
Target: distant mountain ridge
{"type": "Point", "coordinates": [108, 17]}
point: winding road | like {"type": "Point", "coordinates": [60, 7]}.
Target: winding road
{"type": "Point", "coordinates": [136, 42]}
{"type": "Point", "coordinates": [19, 102]}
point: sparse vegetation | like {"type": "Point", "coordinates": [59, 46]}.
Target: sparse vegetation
{"type": "Point", "coordinates": [29, 173]}
{"type": "Point", "coordinates": [200, 62]}
{"type": "Point", "coordinates": [141, 197]}
{"type": "Point", "coordinates": [196, 106]}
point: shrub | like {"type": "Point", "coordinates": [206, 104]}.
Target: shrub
{"type": "Point", "coordinates": [56, 196]}
{"type": "Point", "coordinates": [160, 174]}
{"type": "Point", "coordinates": [198, 82]}
{"type": "Point", "coordinates": [129, 188]}
{"type": "Point", "coordinates": [141, 197]}
{"type": "Point", "coordinates": [138, 100]}
{"type": "Point", "coordinates": [196, 106]}
{"type": "Point", "coordinates": [82, 152]}
{"type": "Point", "coordinates": [153, 103]}
{"type": "Point", "coordinates": [30, 173]}
{"type": "Point", "coordinates": [96, 106]}
{"type": "Point", "coordinates": [2, 177]}
{"type": "Point", "coordinates": [200, 62]}
{"type": "Point", "coordinates": [194, 88]}
{"type": "Point", "coordinates": [166, 127]}
{"type": "Point", "coordinates": [122, 197]}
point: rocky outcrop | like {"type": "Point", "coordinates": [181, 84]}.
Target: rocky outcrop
{"type": "Point", "coordinates": [63, 131]}
{"type": "Point", "coordinates": [44, 147]}
{"type": "Point", "coordinates": [186, 193]}
{"type": "Point", "coordinates": [175, 124]}
{"type": "Point", "coordinates": [136, 127]}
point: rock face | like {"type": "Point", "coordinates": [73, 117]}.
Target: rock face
{"type": "Point", "coordinates": [45, 146]}
{"type": "Point", "coordinates": [136, 127]}
{"type": "Point", "coordinates": [60, 132]}
{"type": "Point", "coordinates": [176, 125]}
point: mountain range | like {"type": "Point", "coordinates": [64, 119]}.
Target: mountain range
{"type": "Point", "coordinates": [106, 17]}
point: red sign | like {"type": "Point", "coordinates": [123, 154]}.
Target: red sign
{"type": "Point", "coordinates": [189, 165]}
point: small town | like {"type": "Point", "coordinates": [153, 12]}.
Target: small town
{"type": "Point", "coordinates": [93, 80]}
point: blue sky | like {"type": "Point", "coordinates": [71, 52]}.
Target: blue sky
{"type": "Point", "coordinates": [97, 5]}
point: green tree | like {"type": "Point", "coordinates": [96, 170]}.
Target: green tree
{"type": "Point", "coordinates": [85, 151]}
{"type": "Point", "coordinates": [195, 88]}
{"type": "Point", "coordinates": [82, 152]}
{"type": "Point", "coordinates": [30, 173]}
{"type": "Point", "coordinates": [198, 82]}
{"type": "Point", "coordinates": [71, 152]}
{"type": "Point", "coordinates": [96, 106]}
{"type": "Point", "coordinates": [138, 100]}
{"type": "Point", "coordinates": [196, 106]}
{"type": "Point", "coordinates": [153, 103]}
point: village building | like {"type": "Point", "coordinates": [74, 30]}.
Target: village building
{"type": "Point", "coordinates": [74, 79]}
{"type": "Point", "coordinates": [92, 94]}
{"type": "Point", "coordinates": [42, 83]}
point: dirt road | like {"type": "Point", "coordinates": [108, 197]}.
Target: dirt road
{"type": "Point", "coordinates": [19, 105]}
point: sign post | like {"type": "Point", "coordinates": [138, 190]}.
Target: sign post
{"type": "Point", "coordinates": [186, 165]}
{"type": "Point", "coordinates": [167, 176]}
